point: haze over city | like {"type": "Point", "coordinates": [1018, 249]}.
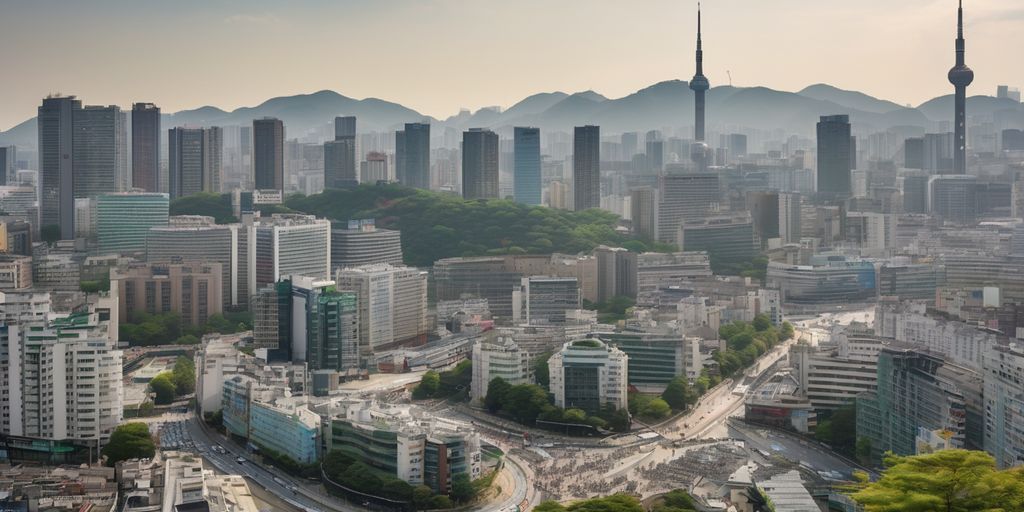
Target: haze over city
{"type": "Point", "coordinates": [743, 256]}
{"type": "Point", "coordinates": [437, 57]}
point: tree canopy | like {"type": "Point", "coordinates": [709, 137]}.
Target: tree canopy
{"type": "Point", "coordinates": [129, 441]}
{"type": "Point", "coordinates": [948, 481]}
{"type": "Point", "coordinates": [184, 376]}
{"type": "Point", "coordinates": [163, 386]}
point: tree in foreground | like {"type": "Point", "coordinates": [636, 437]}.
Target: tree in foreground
{"type": "Point", "coordinates": [129, 441]}
{"type": "Point", "coordinates": [946, 481]}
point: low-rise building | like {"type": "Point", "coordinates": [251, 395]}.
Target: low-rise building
{"type": "Point", "coordinates": [403, 441]}
{"type": "Point", "coordinates": [15, 272]}
{"type": "Point", "coordinates": [192, 290]}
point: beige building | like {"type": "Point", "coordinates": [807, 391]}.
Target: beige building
{"type": "Point", "coordinates": [193, 290]}
{"type": "Point", "coordinates": [15, 272]}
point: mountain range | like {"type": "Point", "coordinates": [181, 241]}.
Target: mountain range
{"type": "Point", "coordinates": [664, 104]}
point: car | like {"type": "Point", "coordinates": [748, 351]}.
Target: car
{"type": "Point", "coordinates": [240, 460]}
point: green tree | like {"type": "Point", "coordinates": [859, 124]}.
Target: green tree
{"type": "Point", "coordinates": [163, 386]}
{"type": "Point", "coordinates": [428, 385]}
{"type": "Point", "coordinates": [678, 394]}
{"type": "Point", "coordinates": [762, 322]}
{"type": "Point", "coordinates": [787, 330]}
{"type": "Point", "coordinates": [613, 503]}
{"type": "Point", "coordinates": [655, 409]}
{"type": "Point", "coordinates": [947, 480]}
{"type": "Point", "coordinates": [422, 496]}
{"type": "Point", "coordinates": [129, 441]}
{"type": "Point", "coordinates": [549, 506]}
{"type": "Point", "coordinates": [525, 403]}
{"type": "Point", "coordinates": [619, 421]}
{"type": "Point", "coordinates": [462, 488]}
{"type": "Point", "coordinates": [497, 393]}
{"type": "Point", "coordinates": [541, 373]}
{"type": "Point", "coordinates": [184, 376]}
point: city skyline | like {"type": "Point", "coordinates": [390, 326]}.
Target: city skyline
{"type": "Point", "coordinates": [517, 66]}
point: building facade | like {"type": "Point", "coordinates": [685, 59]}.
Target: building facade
{"type": "Point", "coordinates": [589, 374]}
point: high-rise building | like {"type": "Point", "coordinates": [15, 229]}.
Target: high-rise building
{"type": "Point", "coordinates": [643, 205]}
{"type": "Point", "coordinates": [194, 160]}
{"type": "Point", "coordinates": [919, 393]}
{"type": "Point", "coordinates": [938, 153]}
{"type": "Point", "coordinates": [62, 385]}
{"type": "Point", "coordinates": [374, 168]}
{"type": "Point", "coordinates": [586, 167]}
{"type": "Point", "coordinates": [56, 164]}
{"type": "Point", "coordinates": [100, 151]}
{"type": "Point", "coordinates": [913, 153]}
{"type": "Point", "coordinates": [590, 375]}
{"type": "Point", "coordinates": [661, 270]}
{"type": "Point", "coordinates": [834, 156]}
{"type": "Point", "coordinates": [960, 76]}
{"type": "Point", "coordinates": [392, 304]}
{"type": "Point", "coordinates": [340, 163]}
{"type": "Point", "coordinates": [629, 141]}
{"type": "Point", "coordinates": [305, 320]}
{"type": "Point", "coordinates": [268, 153]}
{"type": "Point", "coordinates": [146, 147]}
{"type": "Point", "coordinates": [361, 243]}
{"type": "Point", "coordinates": [684, 196]}
{"type": "Point", "coordinates": [479, 164]}
{"type": "Point", "coordinates": [340, 155]}
{"type": "Point", "coordinates": [123, 220]}
{"type": "Point", "coordinates": [655, 152]}
{"type": "Point", "coordinates": [616, 272]}
{"type": "Point", "coordinates": [412, 155]}
{"type": "Point", "coordinates": [527, 179]}
{"type": "Point", "coordinates": [954, 198]}
{"type": "Point", "coordinates": [8, 165]}
{"type": "Point", "coordinates": [344, 127]}
{"type": "Point", "coordinates": [196, 238]}
{"type": "Point", "coordinates": [287, 245]}
{"type": "Point", "coordinates": [1004, 404]}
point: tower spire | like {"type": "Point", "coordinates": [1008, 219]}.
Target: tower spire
{"type": "Point", "coordinates": [700, 52]}
{"type": "Point", "coordinates": [960, 76]}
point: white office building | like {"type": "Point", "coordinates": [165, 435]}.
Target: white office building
{"type": "Point", "coordinates": [589, 374]}
{"type": "Point", "coordinates": [392, 304]}
{"type": "Point", "coordinates": [499, 358]}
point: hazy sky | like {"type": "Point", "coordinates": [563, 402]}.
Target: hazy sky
{"type": "Point", "coordinates": [439, 56]}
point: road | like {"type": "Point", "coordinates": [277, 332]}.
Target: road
{"type": "Point", "coordinates": [294, 491]}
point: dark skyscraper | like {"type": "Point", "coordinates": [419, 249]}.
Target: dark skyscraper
{"type": "Point", "coordinates": [146, 147]}
{"type": "Point", "coordinates": [586, 167]}
{"type": "Point", "coordinates": [268, 153]}
{"type": "Point", "coordinates": [344, 126]}
{"type": "Point", "coordinates": [8, 164]}
{"type": "Point", "coordinates": [960, 76]}
{"type": "Point", "coordinates": [412, 155]}
{"type": "Point", "coordinates": [194, 160]}
{"type": "Point", "coordinates": [100, 151]}
{"type": "Point", "coordinates": [527, 186]}
{"type": "Point", "coordinates": [340, 154]}
{"type": "Point", "coordinates": [834, 156]}
{"type": "Point", "coordinates": [56, 160]}
{"type": "Point", "coordinates": [913, 153]}
{"type": "Point", "coordinates": [699, 84]}
{"type": "Point", "coordinates": [479, 164]}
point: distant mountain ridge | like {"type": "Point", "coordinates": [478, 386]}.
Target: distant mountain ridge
{"type": "Point", "coordinates": [668, 103]}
